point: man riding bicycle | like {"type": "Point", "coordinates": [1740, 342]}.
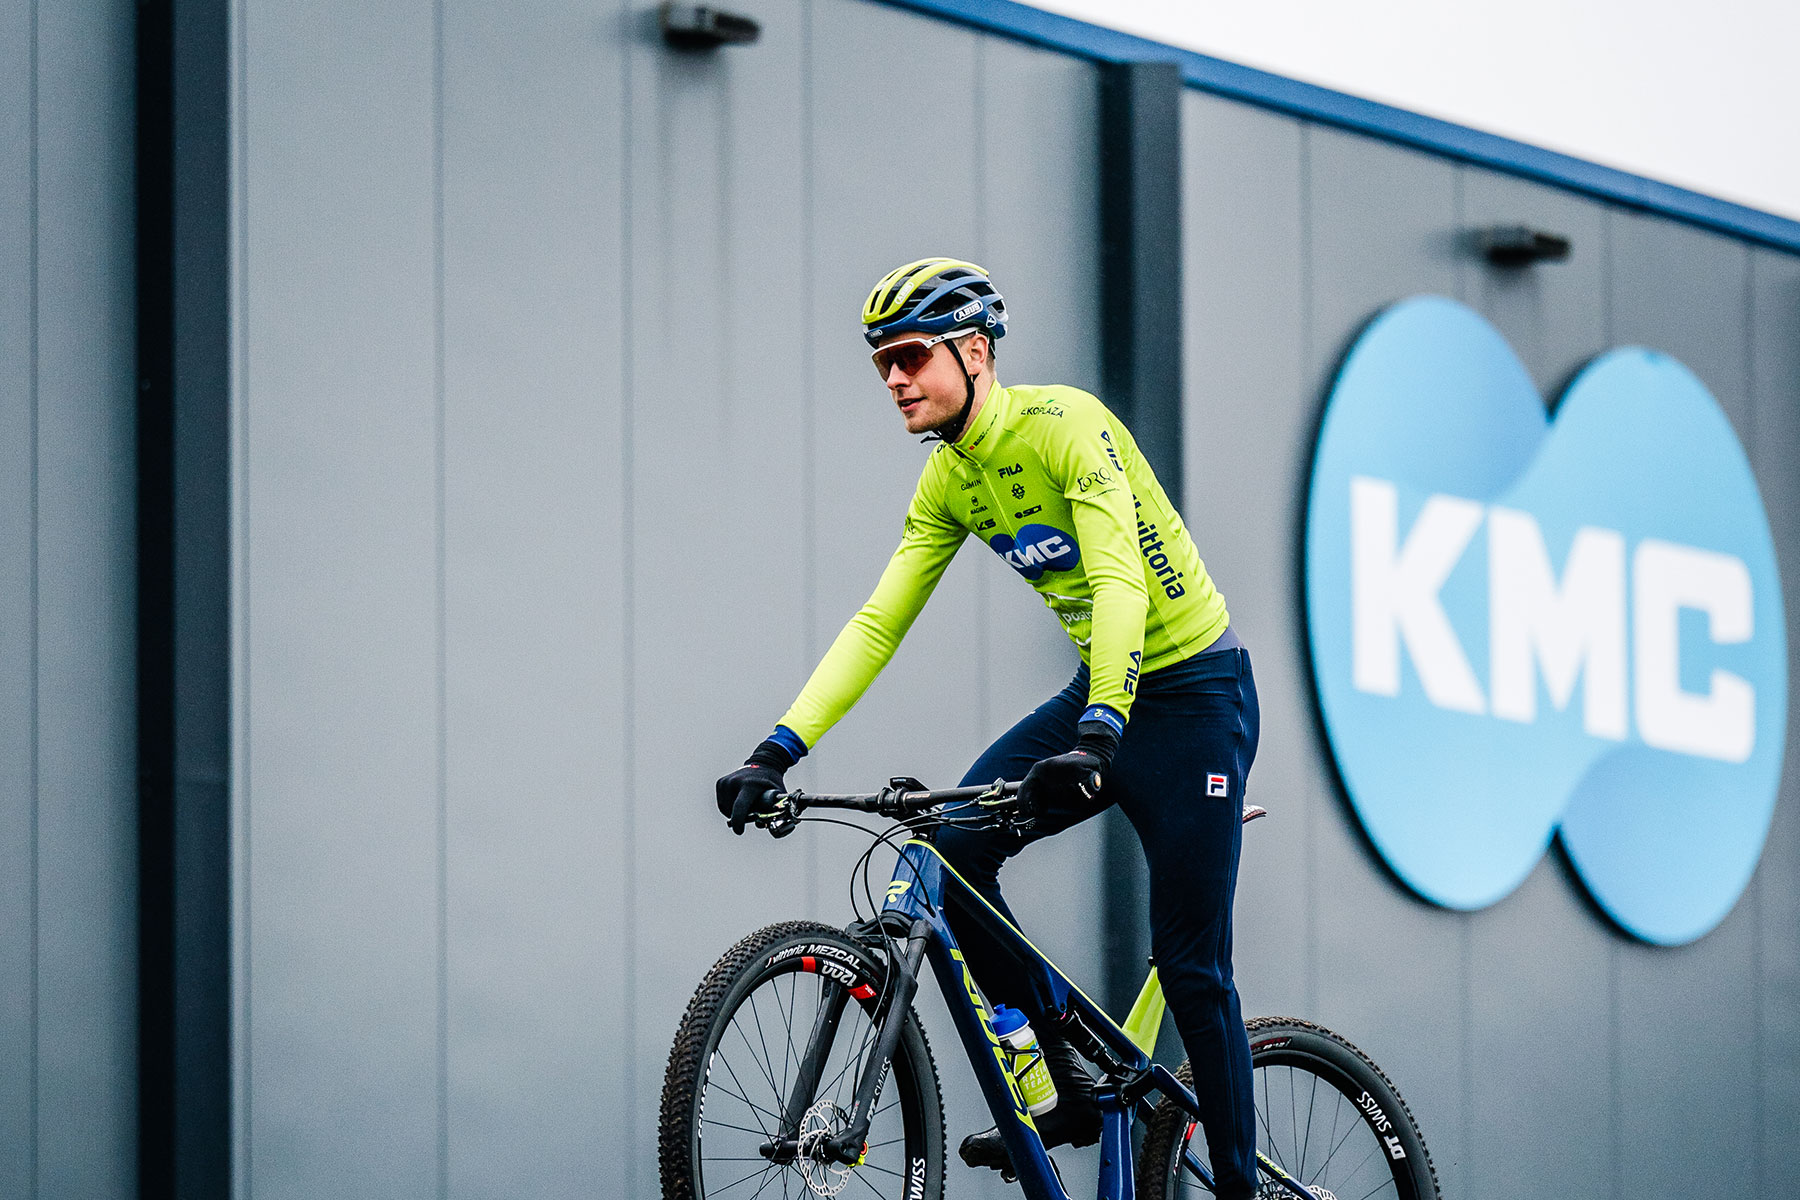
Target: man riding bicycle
{"type": "Point", "coordinates": [1161, 718]}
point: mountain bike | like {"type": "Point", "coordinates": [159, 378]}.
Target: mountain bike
{"type": "Point", "coordinates": [801, 1069]}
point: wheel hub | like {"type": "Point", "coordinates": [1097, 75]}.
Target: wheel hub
{"type": "Point", "coordinates": [824, 1176]}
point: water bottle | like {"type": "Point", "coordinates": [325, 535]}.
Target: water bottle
{"type": "Point", "coordinates": [1028, 1066]}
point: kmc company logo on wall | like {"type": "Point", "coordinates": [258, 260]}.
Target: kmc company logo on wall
{"type": "Point", "coordinates": [1525, 626]}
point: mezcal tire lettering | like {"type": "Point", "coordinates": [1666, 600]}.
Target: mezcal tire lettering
{"type": "Point", "coordinates": [810, 951]}
{"type": "Point", "coordinates": [1349, 1079]}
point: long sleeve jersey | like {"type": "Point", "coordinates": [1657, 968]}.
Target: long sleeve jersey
{"type": "Point", "coordinates": [1052, 481]}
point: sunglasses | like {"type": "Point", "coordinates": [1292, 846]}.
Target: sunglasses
{"type": "Point", "coordinates": [912, 354]}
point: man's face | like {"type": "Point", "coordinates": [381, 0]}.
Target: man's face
{"type": "Point", "coordinates": [934, 395]}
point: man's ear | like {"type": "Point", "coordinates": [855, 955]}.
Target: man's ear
{"type": "Point", "coordinates": [979, 361]}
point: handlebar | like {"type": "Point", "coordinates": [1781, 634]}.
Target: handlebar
{"type": "Point", "coordinates": [904, 797]}
{"type": "Point", "coordinates": [900, 799]}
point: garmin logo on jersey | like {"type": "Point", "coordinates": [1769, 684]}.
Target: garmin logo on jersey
{"type": "Point", "coordinates": [1524, 627]}
{"type": "Point", "coordinates": [1157, 559]}
{"type": "Point", "coordinates": [1037, 549]}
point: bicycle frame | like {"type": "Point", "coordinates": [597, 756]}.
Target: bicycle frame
{"type": "Point", "coordinates": [916, 895]}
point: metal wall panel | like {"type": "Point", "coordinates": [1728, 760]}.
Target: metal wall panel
{"type": "Point", "coordinates": [715, 483]}
{"type": "Point", "coordinates": [517, 586]}
{"type": "Point", "coordinates": [1248, 429]}
{"type": "Point", "coordinates": [86, 596]}
{"type": "Point", "coordinates": [1038, 115]}
{"type": "Point", "coordinates": [340, 530]}
{"type": "Point", "coordinates": [1774, 446]}
{"type": "Point", "coordinates": [532, 459]}
{"type": "Point", "coordinates": [18, 607]}
{"type": "Point", "coordinates": [1543, 1033]}
{"type": "Point", "coordinates": [1381, 225]}
{"type": "Point", "coordinates": [1685, 292]}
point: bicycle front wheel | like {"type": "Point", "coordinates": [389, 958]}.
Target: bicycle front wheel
{"type": "Point", "coordinates": [739, 1058]}
{"type": "Point", "coordinates": [1325, 1114]}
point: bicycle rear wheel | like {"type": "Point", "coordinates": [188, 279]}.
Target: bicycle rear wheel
{"type": "Point", "coordinates": [1325, 1114]}
{"type": "Point", "coordinates": [737, 1057]}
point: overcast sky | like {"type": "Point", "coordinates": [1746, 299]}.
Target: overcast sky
{"type": "Point", "coordinates": [1706, 96]}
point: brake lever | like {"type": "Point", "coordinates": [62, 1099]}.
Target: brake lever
{"type": "Point", "coordinates": [783, 820]}
{"type": "Point", "coordinates": [1006, 810]}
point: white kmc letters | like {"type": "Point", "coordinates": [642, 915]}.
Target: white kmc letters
{"type": "Point", "coordinates": [1394, 594]}
{"type": "Point", "coordinates": [1666, 578]}
{"type": "Point", "coordinates": [1533, 624]}
{"type": "Point", "coordinates": [1568, 631]}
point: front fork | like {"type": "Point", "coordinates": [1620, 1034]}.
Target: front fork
{"type": "Point", "coordinates": [847, 1147]}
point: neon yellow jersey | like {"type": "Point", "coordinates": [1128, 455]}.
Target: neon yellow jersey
{"type": "Point", "coordinates": [1054, 484]}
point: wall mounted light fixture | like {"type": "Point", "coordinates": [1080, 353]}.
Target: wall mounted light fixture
{"type": "Point", "coordinates": [1520, 245]}
{"type": "Point", "coordinates": [698, 27]}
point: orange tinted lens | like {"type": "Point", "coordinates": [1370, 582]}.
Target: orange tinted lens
{"type": "Point", "coordinates": [910, 357]}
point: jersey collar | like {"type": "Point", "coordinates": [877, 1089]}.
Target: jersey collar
{"type": "Point", "coordinates": [979, 439]}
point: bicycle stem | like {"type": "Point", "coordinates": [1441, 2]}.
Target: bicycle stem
{"type": "Point", "coordinates": [847, 1147]}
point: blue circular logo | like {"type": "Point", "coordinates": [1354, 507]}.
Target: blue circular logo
{"type": "Point", "coordinates": [1037, 549]}
{"type": "Point", "coordinates": [1524, 627]}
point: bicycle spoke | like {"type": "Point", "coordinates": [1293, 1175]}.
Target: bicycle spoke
{"type": "Point", "coordinates": [783, 1175]}
{"type": "Point", "coordinates": [870, 1186]}
{"type": "Point", "coordinates": [1354, 1126]}
{"type": "Point", "coordinates": [735, 1182]}
{"type": "Point", "coordinates": [762, 1038]}
{"type": "Point", "coordinates": [1312, 1103]}
{"type": "Point", "coordinates": [1262, 1115]}
{"type": "Point", "coordinates": [1365, 1162]}
{"type": "Point", "coordinates": [710, 1122]}
{"type": "Point", "coordinates": [747, 1100]}
{"type": "Point", "coordinates": [1293, 1112]}
{"type": "Point", "coordinates": [761, 1064]}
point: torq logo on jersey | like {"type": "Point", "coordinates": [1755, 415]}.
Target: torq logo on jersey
{"type": "Point", "coordinates": [1039, 548]}
{"type": "Point", "coordinates": [1521, 626]}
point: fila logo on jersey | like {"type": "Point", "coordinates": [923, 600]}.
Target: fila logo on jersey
{"type": "Point", "coordinates": [1038, 548]}
{"type": "Point", "coordinates": [1216, 786]}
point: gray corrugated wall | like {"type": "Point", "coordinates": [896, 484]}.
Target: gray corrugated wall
{"type": "Point", "coordinates": [559, 463]}
{"type": "Point", "coordinates": [68, 879]}
{"type": "Point", "coordinates": [543, 517]}
{"type": "Point", "coordinates": [1544, 1052]}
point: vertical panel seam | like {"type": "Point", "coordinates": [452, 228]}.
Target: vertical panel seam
{"type": "Point", "coordinates": [442, 698]}
{"type": "Point", "coordinates": [985, 616]}
{"type": "Point", "coordinates": [1466, 923]}
{"type": "Point", "coordinates": [1615, 1126]}
{"type": "Point", "coordinates": [241, 760]}
{"type": "Point", "coordinates": [627, 546]}
{"type": "Point", "coordinates": [809, 609]}
{"type": "Point", "coordinates": [36, 653]}
{"type": "Point", "coordinates": [1309, 830]}
{"type": "Point", "coordinates": [1758, 1071]}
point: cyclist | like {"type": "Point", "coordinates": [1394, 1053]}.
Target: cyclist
{"type": "Point", "coordinates": [1161, 718]}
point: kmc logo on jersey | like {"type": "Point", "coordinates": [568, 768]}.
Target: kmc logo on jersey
{"type": "Point", "coordinates": [1037, 549]}
{"type": "Point", "coordinates": [1524, 627]}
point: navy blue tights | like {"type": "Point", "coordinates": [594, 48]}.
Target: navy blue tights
{"type": "Point", "coordinates": [1179, 778]}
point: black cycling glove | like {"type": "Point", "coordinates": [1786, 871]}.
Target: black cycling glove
{"type": "Point", "coordinates": [745, 792]}
{"type": "Point", "coordinates": [1070, 781]}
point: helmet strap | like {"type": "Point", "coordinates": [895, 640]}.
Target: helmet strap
{"type": "Point", "coordinates": [952, 429]}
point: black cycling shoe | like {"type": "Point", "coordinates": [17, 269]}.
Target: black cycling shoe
{"type": "Point", "coordinates": [1075, 1121]}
